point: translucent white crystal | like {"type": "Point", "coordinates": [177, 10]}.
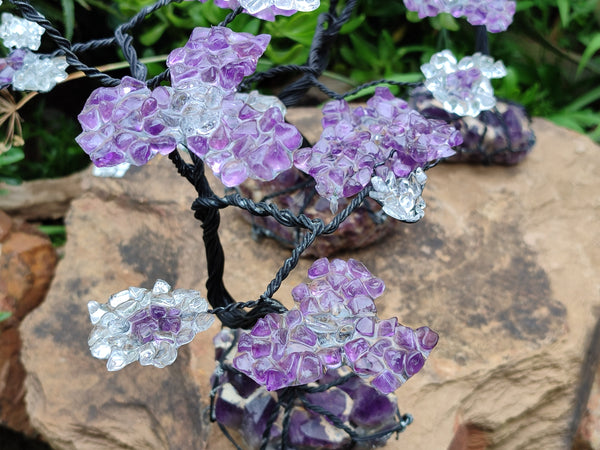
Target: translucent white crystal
{"type": "Point", "coordinates": [161, 287]}
{"type": "Point", "coordinates": [203, 322]}
{"type": "Point", "coordinates": [20, 33]}
{"type": "Point", "coordinates": [40, 74]}
{"type": "Point", "coordinates": [401, 198]}
{"type": "Point", "coordinates": [119, 359]}
{"type": "Point", "coordinates": [117, 171]}
{"type": "Point", "coordinates": [118, 298]}
{"type": "Point", "coordinates": [96, 311]}
{"type": "Point", "coordinates": [261, 102]}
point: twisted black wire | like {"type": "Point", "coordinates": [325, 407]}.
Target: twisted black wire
{"type": "Point", "coordinates": [31, 14]}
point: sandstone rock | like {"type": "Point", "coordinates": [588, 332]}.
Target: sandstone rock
{"type": "Point", "coordinates": [41, 199]}
{"type": "Point", "coordinates": [504, 266]}
{"type": "Point", "coordinates": [27, 262]}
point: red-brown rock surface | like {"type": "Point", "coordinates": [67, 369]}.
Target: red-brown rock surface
{"type": "Point", "coordinates": [27, 262]}
{"type": "Point", "coordinates": [505, 266]}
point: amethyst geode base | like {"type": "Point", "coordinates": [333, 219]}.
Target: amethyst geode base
{"type": "Point", "coordinates": [244, 407]}
{"type": "Point", "coordinates": [362, 228]}
{"type": "Point", "coordinates": [502, 135]}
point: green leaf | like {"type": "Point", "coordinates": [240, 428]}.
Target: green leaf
{"type": "Point", "coordinates": [592, 47]}
{"type": "Point", "coordinates": [153, 34]}
{"type": "Point", "coordinates": [352, 24]}
{"type": "Point", "coordinates": [4, 315]}
{"type": "Point", "coordinates": [295, 55]}
{"type": "Point", "coordinates": [68, 8]}
{"type": "Point", "coordinates": [584, 100]}
{"type": "Point", "coordinates": [564, 10]}
{"type": "Point", "coordinates": [11, 156]}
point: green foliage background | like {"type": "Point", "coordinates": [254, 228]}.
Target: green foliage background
{"type": "Point", "coordinates": [551, 52]}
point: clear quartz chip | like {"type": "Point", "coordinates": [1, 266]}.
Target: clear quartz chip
{"type": "Point", "coordinates": [401, 197]}
{"type": "Point", "coordinates": [20, 33]}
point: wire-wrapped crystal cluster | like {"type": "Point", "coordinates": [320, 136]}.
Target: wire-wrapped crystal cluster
{"type": "Point", "coordinates": [355, 141]}
{"type": "Point", "coordinates": [333, 323]}
{"type": "Point", "coordinates": [268, 9]}
{"type": "Point", "coordinates": [401, 197]}
{"type": "Point", "coordinates": [237, 135]}
{"type": "Point", "coordinates": [245, 408]}
{"type": "Point", "coordinates": [253, 140]}
{"type": "Point", "coordinates": [126, 124]}
{"type": "Point", "coordinates": [20, 33]}
{"type": "Point", "coordinates": [496, 15]}
{"type": "Point", "coordinates": [216, 56]}
{"type": "Point", "coordinates": [25, 70]}
{"type": "Point", "coordinates": [149, 326]}
{"type": "Point", "coordinates": [40, 74]}
{"type": "Point", "coordinates": [463, 87]}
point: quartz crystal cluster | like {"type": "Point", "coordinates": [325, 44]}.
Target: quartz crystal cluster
{"type": "Point", "coordinates": [386, 133]}
{"type": "Point", "coordinates": [401, 197]}
{"type": "Point", "coordinates": [463, 87]}
{"type": "Point", "coordinates": [245, 407]}
{"type": "Point", "coordinates": [40, 74]}
{"type": "Point", "coordinates": [333, 323]}
{"type": "Point", "coordinates": [149, 326]}
{"type": "Point", "coordinates": [268, 9]}
{"type": "Point", "coordinates": [20, 33]}
{"type": "Point", "coordinates": [496, 15]}
{"type": "Point", "coordinates": [237, 135]}
{"type": "Point", "coordinates": [25, 70]}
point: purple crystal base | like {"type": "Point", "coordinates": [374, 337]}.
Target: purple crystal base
{"type": "Point", "coordinates": [361, 229]}
{"type": "Point", "coordinates": [244, 407]}
{"type": "Point", "coordinates": [499, 136]}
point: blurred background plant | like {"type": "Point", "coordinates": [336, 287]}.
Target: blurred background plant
{"type": "Point", "coordinates": [551, 52]}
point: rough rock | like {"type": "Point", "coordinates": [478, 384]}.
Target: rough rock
{"type": "Point", "coordinates": [505, 266]}
{"type": "Point", "coordinates": [41, 199]}
{"type": "Point", "coordinates": [27, 262]}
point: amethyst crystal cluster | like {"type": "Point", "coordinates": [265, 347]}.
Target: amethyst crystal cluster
{"type": "Point", "coordinates": [502, 135]}
{"type": "Point", "coordinates": [125, 124]}
{"type": "Point", "coordinates": [245, 407]}
{"type": "Point", "coordinates": [237, 135]}
{"type": "Point", "coordinates": [268, 9]}
{"type": "Point", "coordinates": [386, 133]}
{"type": "Point", "coordinates": [149, 326]}
{"type": "Point", "coordinates": [496, 15]}
{"type": "Point", "coordinates": [334, 323]}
